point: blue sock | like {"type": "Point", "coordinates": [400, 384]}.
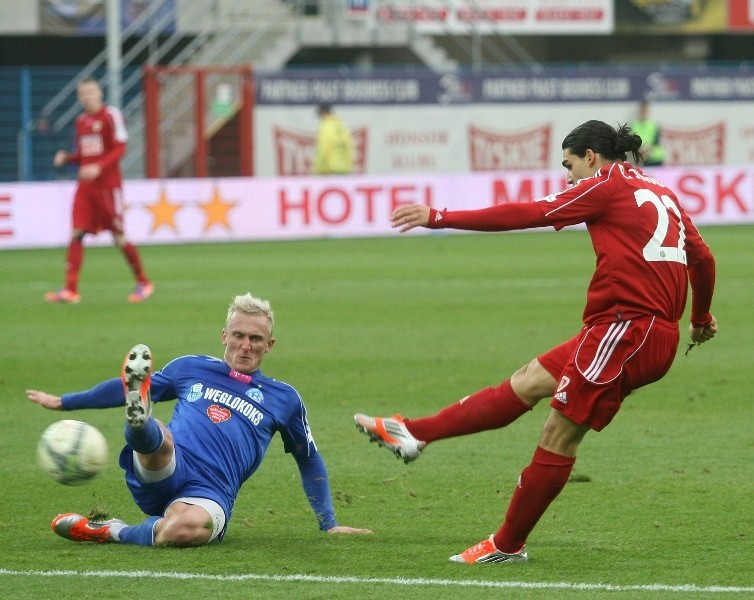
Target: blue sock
{"type": "Point", "coordinates": [145, 440]}
{"type": "Point", "coordinates": [140, 535]}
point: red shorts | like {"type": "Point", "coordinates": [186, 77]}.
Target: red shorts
{"type": "Point", "coordinates": [98, 209]}
{"type": "Point", "coordinates": [599, 367]}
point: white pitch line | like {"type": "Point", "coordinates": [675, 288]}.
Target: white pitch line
{"type": "Point", "coordinates": [655, 587]}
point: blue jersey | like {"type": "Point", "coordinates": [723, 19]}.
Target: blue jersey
{"type": "Point", "coordinates": [223, 424]}
{"type": "Point", "coordinates": [225, 420]}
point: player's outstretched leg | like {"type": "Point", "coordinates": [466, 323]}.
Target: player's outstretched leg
{"type": "Point", "coordinates": [78, 528]}
{"type": "Point", "coordinates": [137, 377]}
{"type": "Point", "coordinates": [390, 433]}
{"type": "Point", "coordinates": [486, 552]}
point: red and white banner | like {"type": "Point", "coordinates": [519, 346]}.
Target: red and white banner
{"type": "Point", "coordinates": [533, 17]}
{"type": "Point", "coordinates": [248, 209]}
{"type": "Point", "coordinates": [474, 137]}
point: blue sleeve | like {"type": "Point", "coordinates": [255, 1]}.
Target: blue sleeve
{"type": "Point", "coordinates": [317, 488]}
{"type": "Point", "coordinates": [107, 394]}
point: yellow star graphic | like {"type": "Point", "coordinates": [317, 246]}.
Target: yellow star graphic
{"type": "Point", "coordinates": [163, 212]}
{"type": "Point", "coordinates": [217, 210]}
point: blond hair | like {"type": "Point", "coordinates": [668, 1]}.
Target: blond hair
{"type": "Point", "coordinates": [251, 305]}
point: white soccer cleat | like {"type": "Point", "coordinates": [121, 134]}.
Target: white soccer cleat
{"type": "Point", "coordinates": [137, 377]}
{"type": "Point", "coordinates": [391, 433]}
{"type": "Point", "coordinates": [486, 552]}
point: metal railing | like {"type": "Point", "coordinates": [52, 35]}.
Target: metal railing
{"type": "Point", "coordinates": [227, 33]}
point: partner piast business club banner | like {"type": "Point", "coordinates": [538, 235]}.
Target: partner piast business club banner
{"type": "Point", "coordinates": [498, 120]}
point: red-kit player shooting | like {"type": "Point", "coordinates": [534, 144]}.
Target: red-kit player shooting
{"type": "Point", "coordinates": [98, 205]}
{"type": "Point", "coordinates": [648, 251]}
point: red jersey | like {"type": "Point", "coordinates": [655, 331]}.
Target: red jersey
{"type": "Point", "coordinates": [101, 138]}
{"type": "Point", "coordinates": [646, 245]}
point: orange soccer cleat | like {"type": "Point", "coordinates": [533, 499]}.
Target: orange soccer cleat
{"type": "Point", "coordinates": [391, 433]}
{"type": "Point", "coordinates": [80, 529]}
{"type": "Point", "coordinates": [142, 292]}
{"type": "Point", "coordinates": [63, 296]}
{"type": "Point", "coordinates": [486, 552]}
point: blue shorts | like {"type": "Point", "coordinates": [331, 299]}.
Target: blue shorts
{"type": "Point", "coordinates": [154, 498]}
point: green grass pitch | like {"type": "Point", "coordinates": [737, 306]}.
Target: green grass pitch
{"type": "Point", "coordinates": [660, 505]}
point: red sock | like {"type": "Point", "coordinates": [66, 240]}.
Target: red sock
{"type": "Point", "coordinates": [539, 484]}
{"type": "Point", "coordinates": [73, 262]}
{"type": "Point", "coordinates": [132, 256]}
{"type": "Point", "coordinates": [490, 408]}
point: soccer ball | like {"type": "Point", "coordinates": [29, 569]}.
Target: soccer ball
{"type": "Point", "coordinates": [72, 452]}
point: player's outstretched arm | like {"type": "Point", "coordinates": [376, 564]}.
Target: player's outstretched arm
{"type": "Point", "coordinates": [346, 529]}
{"type": "Point", "coordinates": [45, 399]}
{"type": "Point", "coordinates": [408, 217]}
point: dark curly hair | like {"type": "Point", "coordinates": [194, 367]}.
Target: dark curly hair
{"type": "Point", "coordinates": [613, 144]}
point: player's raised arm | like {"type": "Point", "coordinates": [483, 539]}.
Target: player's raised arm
{"type": "Point", "coordinates": [408, 217]}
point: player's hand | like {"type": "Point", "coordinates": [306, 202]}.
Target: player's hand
{"type": "Point", "coordinates": [408, 217]}
{"type": "Point", "coordinates": [345, 529]}
{"type": "Point", "coordinates": [45, 399]}
{"type": "Point", "coordinates": [89, 172]}
{"type": "Point", "coordinates": [61, 157]}
{"type": "Point", "coordinates": [699, 335]}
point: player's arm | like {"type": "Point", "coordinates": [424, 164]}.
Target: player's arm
{"type": "Point", "coordinates": [503, 217]}
{"type": "Point", "coordinates": [112, 156]}
{"type": "Point", "coordinates": [61, 158]}
{"type": "Point", "coordinates": [105, 395]}
{"type": "Point", "coordinates": [91, 171]}
{"type": "Point", "coordinates": [298, 441]}
{"type": "Point", "coordinates": [703, 325]}
{"type": "Point", "coordinates": [317, 488]}
{"type": "Point", "coordinates": [108, 394]}
{"type": "Point", "coordinates": [44, 399]}
{"type": "Point", "coordinates": [701, 271]}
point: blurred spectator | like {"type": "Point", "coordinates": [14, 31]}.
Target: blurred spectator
{"type": "Point", "coordinates": [649, 131]}
{"type": "Point", "coordinates": [334, 153]}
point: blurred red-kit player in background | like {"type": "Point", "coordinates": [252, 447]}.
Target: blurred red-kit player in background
{"type": "Point", "coordinates": [98, 204]}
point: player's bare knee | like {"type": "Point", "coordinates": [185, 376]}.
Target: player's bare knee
{"type": "Point", "coordinates": [532, 382]}
{"type": "Point", "coordinates": [183, 530]}
{"type": "Point", "coordinates": [561, 435]}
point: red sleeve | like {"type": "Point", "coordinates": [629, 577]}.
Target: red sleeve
{"type": "Point", "coordinates": [702, 279]}
{"type": "Point", "coordinates": [112, 156]}
{"type": "Point", "coordinates": [503, 217]}
{"type": "Point", "coordinates": [701, 271]}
